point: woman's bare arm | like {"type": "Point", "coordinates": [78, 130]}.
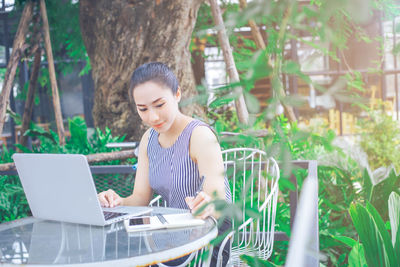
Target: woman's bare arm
{"type": "Point", "coordinates": [206, 152]}
{"type": "Point", "coordinates": [142, 191]}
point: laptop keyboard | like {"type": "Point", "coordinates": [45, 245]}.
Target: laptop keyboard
{"type": "Point", "coordinates": [110, 215]}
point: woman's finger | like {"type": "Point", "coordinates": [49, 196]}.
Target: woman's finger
{"type": "Point", "coordinates": [201, 197]}
{"type": "Point", "coordinates": [108, 201]}
{"type": "Point", "coordinates": [109, 196]}
{"type": "Point", "coordinates": [189, 201]}
{"type": "Point", "coordinates": [102, 199]}
{"type": "Point", "coordinates": [209, 211]}
{"type": "Point", "coordinates": [117, 200]}
{"type": "Point", "coordinates": [199, 202]}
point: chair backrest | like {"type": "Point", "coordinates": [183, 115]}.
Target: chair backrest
{"type": "Point", "coordinates": [254, 183]}
{"type": "Point", "coordinates": [252, 176]}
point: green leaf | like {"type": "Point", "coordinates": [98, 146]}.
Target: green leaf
{"type": "Point", "coordinates": [394, 213]}
{"type": "Point", "coordinates": [252, 103]}
{"type": "Point", "coordinates": [394, 217]}
{"type": "Point", "coordinates": [368, 187]}
{"type": "Point", "coordinates": [291, 67]}
{"type": "Point", "coordinates": [36, 133]}
{"type": "Point", "coordinates": [383, 189]}
{"type": "Point", "coordinates": [383, 232]}
{"type": "Point", "coordinates": [78, 130]}
{"type": "Point", "coordinates": [22, 148]}
{"type": "Point", "coordinates": [357, 256]}
{"type": "Point", "coordinates": [397, 246]}
{"type": "Point", "coordinates": [369, 235]}
{"type": "Point", "coordinates": [346, 240]}
{"type": "Point", "coordinates": [226, 99]}
{"type": "Point", "coordinates": [309, 12]}
{"type": "Point", "coordinates": [286, 184]}
{"type": "Point", "coordinates": [254, 261]}
{"type": "Point", "coordinates": [4, 202]}
{"type": "Point", "coordinates": [16, 117]}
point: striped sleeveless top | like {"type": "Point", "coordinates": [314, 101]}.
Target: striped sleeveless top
{"type": "Point", "coordinates": [172, 172]}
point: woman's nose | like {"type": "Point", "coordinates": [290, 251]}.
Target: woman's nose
{"type": "Point", "coordinates": [153, 116]}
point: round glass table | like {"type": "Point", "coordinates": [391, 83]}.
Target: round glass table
{"type": "Point", "coordinates": [32, 241]}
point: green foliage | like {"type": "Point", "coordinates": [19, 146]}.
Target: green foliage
{"type": "Point", "coordinates": [66, 41]}
{"type": "Point", "coordinates": [380, 249]}
{"type": "Point", "coordinates": [80, 141]}
{"type": "Point", "coordinates": [342, 181]}
{"type": "Point", "coordinates": [65, 34]}
{"type": "Point", "coordinates": [336, 192]}
{"type": "Point", "coordinates": [380, 140]}
{"type": "Point", "coordinates": [251, 261]}
{"type": "Point", "coordinates": [377, 190]}
{"type": "Point", "coordinates": [13, 204]}
{"type": "Point", "coordinates": [337, 185]}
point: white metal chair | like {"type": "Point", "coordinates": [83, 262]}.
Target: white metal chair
{"type": "Point", "coordinates": [158, 202]}
{"type": "Point", "coordinates": [254, 183]}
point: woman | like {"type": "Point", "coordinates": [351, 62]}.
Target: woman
{"type": "Point", "coordinates": [175, 153]}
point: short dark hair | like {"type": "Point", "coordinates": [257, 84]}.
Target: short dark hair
{"type": "Point", "coordinates": [156, 72]}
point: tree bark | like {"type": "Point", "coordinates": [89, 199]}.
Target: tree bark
{"type": "Point", "coordinates": [240, 104]}
{"type": "Point", "coordinates": [118, 155]}
{"type": "Point", "coordinates": [119, 36]}
{"type": "Point", "coordinates": [255, 32]}
{"type": "Point", "coordinates": [26, 118]}
{"type": "Point", "coordinates": [52, 74]}
{"type": "Point", "coordinates": [92, 158]}
{"type": "Point", "coordinates": [17, 50]}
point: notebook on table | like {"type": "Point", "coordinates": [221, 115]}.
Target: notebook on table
{"type": "Point", "coordinates": [162, 221]}
{"type": "Point", "coordinates": [60, 187]}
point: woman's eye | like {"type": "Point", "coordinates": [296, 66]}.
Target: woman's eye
{"type": "Point", "coordinates": [142, 109]}
{"type": "Point", "coordinates": [160, 105]}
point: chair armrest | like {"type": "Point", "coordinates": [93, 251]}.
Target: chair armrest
{"type": "Point", "coordinates": [268, 199]}
{"type": "Point", "coordinates": [155, 200]}
{"type": "Point", "coordinates": [221, 247]}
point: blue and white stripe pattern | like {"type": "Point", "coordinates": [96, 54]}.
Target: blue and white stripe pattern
{"type": "Point", "coordinates": [172, 172]}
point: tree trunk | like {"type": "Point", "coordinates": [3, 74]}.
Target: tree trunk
{"type": "Point", "coordinates": [119, 36]}
{"type": "Point", "coordinates": [26, 118]}
{"type": "Point", "coordinates": [260, 44]}
{"type": "Point", "coordinates": [92, 158]}
{"type": "Point", "coordinates": [240, 104]}
{"type": "Point", "coordinates": [52, 74]}
{"type": "Point", "coordinates": [17, 50]}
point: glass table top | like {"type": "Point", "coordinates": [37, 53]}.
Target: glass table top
{"type": "Point", "coordinates": [35, 241]}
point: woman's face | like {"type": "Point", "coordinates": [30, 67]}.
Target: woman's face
{"type": "Point", "coordinates": [157, 105]}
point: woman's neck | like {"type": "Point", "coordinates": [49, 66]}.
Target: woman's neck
{"type": "Point", "coordinates": [177, 127]}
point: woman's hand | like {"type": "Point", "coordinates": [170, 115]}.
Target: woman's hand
{"type": "Point", "coordinates": [195, 203]}
{"type": "Point", "coordinates": [109, 199]}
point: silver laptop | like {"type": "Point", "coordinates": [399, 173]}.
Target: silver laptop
{"type": "Point", "coordinates": [60, 187]}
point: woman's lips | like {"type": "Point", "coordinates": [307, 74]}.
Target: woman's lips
{"type": "Point", "coordinates": [158, 125]}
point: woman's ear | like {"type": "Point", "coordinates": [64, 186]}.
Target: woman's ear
{"type": "Point", "coordinates": [178, 95]}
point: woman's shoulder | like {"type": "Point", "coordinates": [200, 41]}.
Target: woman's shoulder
{"type": "Point", "coordinates": [146, 134]}
{"type": "Point", "coordinates": [203, 141]}
{"type": "Point", "coordinates": [145, 138]}
{"type": "Point", "coordinates": [203, 133]}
